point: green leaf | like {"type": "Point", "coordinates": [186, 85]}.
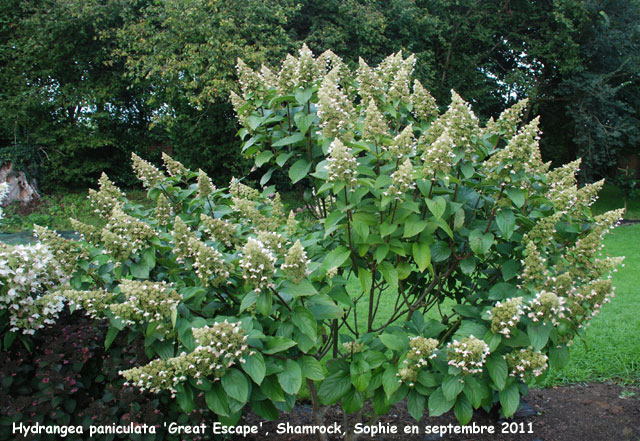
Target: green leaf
{"type": "Point", "coordinates": [184, 397]}
{"type": "Point", "coordinates": [302, 96]}
{"type": "Point", "coordinates": [510, 269]}
{"type": "Point", "coordinates": [468, 266]}
{"type": "Point", "coordinates": [365, 279]}
{"type": "Point", "coordinates": [506, 223]}
{"type": "Point", "coordinates": [283, 158]}
{"type": "Point", "coordinates": [415, 404]}
{"type": "Point", "coordinates": [264, 303]}
{"type": "Point", "coordinates": [394, 342]}
{"type": "Point", "coordinates": [216, 399]}
{"type": "Point", "coordinates": [111, 335]}
{"type": "Point", "coordinates": [440, 251]}
{"type": "Point", "coordinates": [475, 391]}
{"type": "Point", "coordinates": [271, 388]}
{"type": "Point", "coordinates": [510, 399]}
{"type": "Point", "coordinates": [438, 404]}
{"type": "Point", "coordinates": [255, 367]}
{"type": "Point", "coordinates": [386, 229]}
{"type": "Point", "coordinates": [467, 170]}
{"type": "Point", "coordinates": [452, 386]}
{"type": "Point", "coordinates": [140, 270]}
{"type": "Point", "coordinates": [381, 252]}
{"type": "Point", "coordinates": [311, 368]}
{"type": "Point", "coordinates": [558, 357]}
{"type": "Point", "coordinates": [287, 140]}
{"type": "Point", "coordinates": [498, 370]}
{"type": "Point", "coordinates": [538, 335]}
{"type": "Point", "coordinates": [437, 206]}
{"type": "Point", "coordinates": [291, 378]}
{"type": "Point", "coordinates": [517, 196]}
{"type": "Point", "coordinates": [277, 344]}
{"type": "Point", "coordinates": [336, 257]}
{"type": "Point", "coordinates": [236, 385]}
{"type": "Point", "coordinates": [413, 226]}
{"type": "Point", "coordinates": [480, 242]}
{"type": "Point", "coordinates": [463, 410]}
{"type": "Point", "coordinates": [380, 404]}
{"type": "Point", "coordinates": [334, 387]}
{"type": "Point", "coordinates": [265, 410]}
{"type": "Point", "coordinates": [428, 379]}
{"type": "Point", "coordinates": [299, 170]}
{"type": "Point", "coordinates": [248, 300]}
{"type": "Point", "coordinates": [263, 157]}
{"type": "Point", "coordinates": [303, 122]}
{"type": "Point", "coordinates": [390, 380]}
{"type": "Point", "coordinates": [422, 255]}
{"type": "Point", "coordinates": [502, 291]}
{"type": "Point", "coordinates": [304, 320]}
{"type": "Point", "coordinates": [390, 274]}
{"type": "Point", "coordinates": [353, 401]}
{"type": "Point", "coordinates": [302, 289]}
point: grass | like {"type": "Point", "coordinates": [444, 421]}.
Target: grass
{"type": "Point", "coordinates": [55, 210]}
{"type": "Point", "coordinates": [611, 198]}
{"type": "Point", "coordinates": [613, 338]}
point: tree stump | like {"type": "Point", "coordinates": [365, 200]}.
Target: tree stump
{"type": "Point", "coordinates": [20, 188]}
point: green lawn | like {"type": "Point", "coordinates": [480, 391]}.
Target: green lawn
{"type": "Point", "coordinates": [613, 339]}
{"type": "Point", "coordinates": [611, 198]}
{"type": "Point", "coordinates": [54, 211]}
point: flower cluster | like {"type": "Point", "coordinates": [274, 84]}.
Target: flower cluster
{"type": "Point", "coordinates": [526, 361]}
{"type": "Point", "coordinates": [403, 144]}
{"type": "Point", "coordinates": [296, 263]}
{"type": "Point", "coordinates": [219, 347]}
{"type": "Point", "coordinates": [94, 302]}
{"type": "Point", "coordinates": [353, 347]}
{"type": "Point", "coordinates": [547, 306]}
{"type": "Point", "coordinates": [219, 230]}
{"type": "Point", "coordinates": [258, 264]}
{"type": "Point", "coordinates": [124, 235]}
{"type": "Point", "coordinates": [182, 235]}
{"type": "Point", "coordinates": [507, 123]}
{"type": "Point", "coordinates": [27, 274]}
{"type": "Point", "coordinates": [401, 180]}
{"type": "Point", "coordinates": [334, 107]}
{"type": "Point", "coordinates": [208, 263]}
{"type": "Point", "coordinates": [272, 240]}
{"type": "Point", "coordinates": [145, 301]}
{"type": "Point", "coordinates": [341, 164]}
{"type": "Point", "coordinates": [238, 190]}
{"type": "Point", "coordinates": [87, 233]}
{"type": "Point", "coordinates": [108, 197]}
{"type": "Point", "coordinates": [164, 211]}
{"type": "Point", "coordinates": [438, 157]}
{"type": "Point", "coordinates": [374, 123]}
{"type": "Point", "coordinates": [521, 155]}
{"type": "Point", "coordinates": [421, 350]}
{"type": "Point", "coordinates": [65, 252]}
{"type": "Point", "coordinates": [205, 186]}
{"type": "Point", "coordinates": [369, 81]}
{"type": "Point", "coordinates": [424, 104]}
{"type": "Point", "coordinates": [505, 316]}
{"type": "Point", "coordinates": [147, 173]}
{"type": "Point", "coordinates": [174, 168]}
{"type": "Point", "coordinates": [468, 354]}
{"type": "Point", "coordinates": [460, 122]}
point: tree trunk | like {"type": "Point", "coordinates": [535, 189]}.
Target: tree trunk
{"type": "Point", "coordinates": [20, 189]}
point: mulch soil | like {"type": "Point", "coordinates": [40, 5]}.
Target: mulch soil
{"type": "Point", "coordinates": [586, 412]}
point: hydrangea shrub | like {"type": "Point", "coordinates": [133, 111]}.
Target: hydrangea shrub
{"type": "Point", "coordinates": [437, 260]}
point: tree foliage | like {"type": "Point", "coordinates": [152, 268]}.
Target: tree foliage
{"type": "Point", "coordinates": [85, 82]}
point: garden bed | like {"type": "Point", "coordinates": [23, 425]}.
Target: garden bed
{"type": "Point", "coordinates": [586, 412]}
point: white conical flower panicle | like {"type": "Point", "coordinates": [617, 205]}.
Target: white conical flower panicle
{"type": "Point", "coordinates": [341, 164]}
